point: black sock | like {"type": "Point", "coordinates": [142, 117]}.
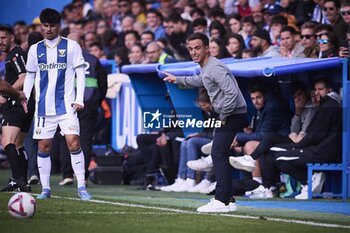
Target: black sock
{"type": "Point", "coordinates": [23, 162]}
{"type": "Point", "coordinates": [13, 158]}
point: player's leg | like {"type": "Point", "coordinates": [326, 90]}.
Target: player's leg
{"type": "Point", "coordinates": [44, 130]}
{"type": "Point", "coordinates": [69, 125]}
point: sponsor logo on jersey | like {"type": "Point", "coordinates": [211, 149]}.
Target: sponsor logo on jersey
{"type": "Point", "coordinates": [51, 66]}
{"type": "Point", "coordinates": [42, 54]}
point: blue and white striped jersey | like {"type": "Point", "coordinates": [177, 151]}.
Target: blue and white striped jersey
{"type": "Point", "coordinates": [55, 75]}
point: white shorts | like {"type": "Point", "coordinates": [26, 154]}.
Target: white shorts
{"type": "Point", "coordinates": [45, 127]}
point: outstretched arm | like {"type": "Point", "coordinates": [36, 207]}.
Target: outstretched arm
{"type": "Point", "coordinates": [169, 77]}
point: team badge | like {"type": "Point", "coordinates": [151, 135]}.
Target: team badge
{"type": "Point", "coordinates": [62, 52]}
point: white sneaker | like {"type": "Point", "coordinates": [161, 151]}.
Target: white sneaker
{"type": "Point", "coordinates": [206, 149]}
{"type": "Point", "coordinates": [214, 206]}
{"type": "Point", "coordinates": [66, 181]}
{"type": "Point", "coordinates": [304, 193]}
{"type": "Point", "coordinates": [260, 193]}
{"type": "Point", "coordinates": [246, 163]}
{"type": "Point", "coordinates": [185, 186]}
{"type": "Point", "coordinates": [201, 185]}
{"type": "Point", "coordinates": [169, 188]}
{"type": "Point", "coordinates": [202, 164]}
{"type": "Point", "coordinates": [208, 189]}
{"type": "Point", "coordinates": [318, 179]}
{"type": "Point", "coordinates": [232, 206]}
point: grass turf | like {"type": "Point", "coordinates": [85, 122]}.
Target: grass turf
{"type": "Point", "coordinates": [60, 215]}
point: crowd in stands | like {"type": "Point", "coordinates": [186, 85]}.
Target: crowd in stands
{"type": "Point", "coordinates": [111, 28]}
{"type": "Point", "coordinates": [149, 31]}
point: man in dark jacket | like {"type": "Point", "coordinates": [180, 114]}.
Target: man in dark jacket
{"type": "Point", "coordinates": [322, 142]}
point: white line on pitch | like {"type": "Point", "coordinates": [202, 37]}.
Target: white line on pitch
{"type": "Point", "coordinates": [233, 215]}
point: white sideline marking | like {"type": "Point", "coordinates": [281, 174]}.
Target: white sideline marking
{"type": "Point", "coordinates": [310, 223]}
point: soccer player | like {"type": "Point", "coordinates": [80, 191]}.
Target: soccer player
{"type": "Point", "coordinates": [16, 121]}
{"type": "Point", "coordinates": [228, 102]}
{"type": "Point", "coordinates": [53, 63]}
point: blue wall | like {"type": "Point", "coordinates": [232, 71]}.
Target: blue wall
{"type": "Point", "coordinates": [27, 10]}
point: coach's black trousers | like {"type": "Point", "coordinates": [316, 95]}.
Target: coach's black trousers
{"type": "Point", "coordinates": [223, 138]}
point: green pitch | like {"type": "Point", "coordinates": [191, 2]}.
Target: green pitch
{"type": "Point", "coordinates": [126, 209]}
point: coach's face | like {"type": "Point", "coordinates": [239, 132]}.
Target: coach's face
{"type": "Point", "coordinates": [198, 51]}
{"type": "Point", "coordinates": [50, 31]}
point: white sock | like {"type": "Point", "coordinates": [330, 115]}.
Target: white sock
{"type": "Point", "coordinates": [258, 179]}
{"type": "Point", "coordinates": [44, 165]}
{"type": "Point", "coordinates": [78, 165]}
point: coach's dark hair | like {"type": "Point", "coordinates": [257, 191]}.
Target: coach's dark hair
{"type": "Point", "coordinates": [50, 16]}
{"type": "Point", "coordinates": [199, 36]}
{"type": "Point", "coordinates": [7, 29]}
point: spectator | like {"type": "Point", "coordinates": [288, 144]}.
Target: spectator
{"type": "Point", "coordinates": [308, 40]}
{"type": "Point", "coordinates": [102, 26]}
{"type": "Point", "coordinates": [261, 44]}
{"type": "Point", "coordinates": [234, 23]}
{"type": "Point", "coordinates": [248, 29]}
{"type": "Point", "coordinates": [235, 44]}
{"type": "Point", "coordinates": [218, 49]}
{"type": "Point", "coordinates": [89, 38]}
{"type": "Point", "coordinates": [200, 25]}
{"type": "Point", "coordinates": [217, 30]}
{"type": "Point", "coordinates": [124, 8]}
{"type": "Point", "coordinates": [328, 45]}
{"type": "Point", "coordinates": [166, 8]}
{"type": "Point", "coordinates": [332, 9]}
{"type": "Point", "coordinates": [89, 25]}
{"type": "Point", "coordinates": [127, 23]}
{"type": "Point", "coordinates": [290, 48]}
{"type": "Point", "coordinates": [154, 54]}
{"type": "Point", "coordinates": [138, 11]}
{"type": "Point", "coordinates": [154, 23]}
{"type": "Point", "coordinates": [258, 16]}
{"type": "Point", "coordinates": [345, 12]}
{"type": "Point", "coordinates": [277, 23]}
{"type": "Point", "coordinates": [97, 50]}
{"type": "Point", "coordinates": [319, 15]}
{"type": "Point", "coordinates": [146, 38]}
{"type": "Point", "coordinates": [181, 30]}
{"type": "Point", "coordinates": [136, 54]}
{"type": "Point", "coordinates": [248, 53]}
{"type": "Point", "coordinates": [130, 39]}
